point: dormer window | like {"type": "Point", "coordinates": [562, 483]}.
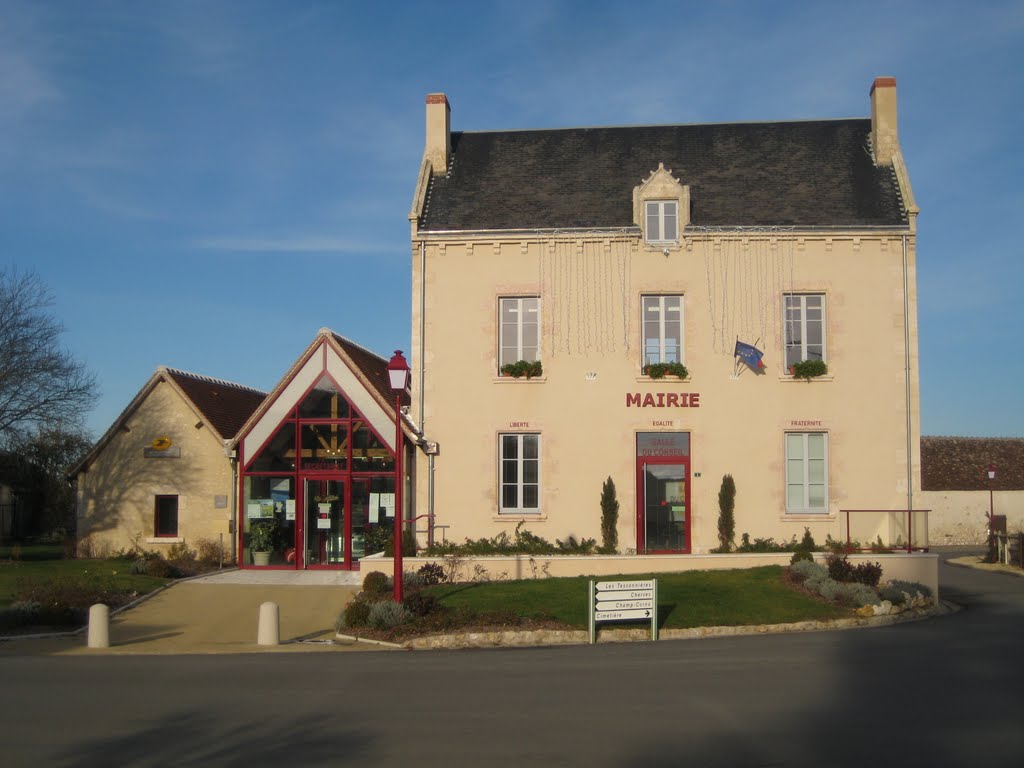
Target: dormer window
{"type": "Point", "coordinates": [662, 219]}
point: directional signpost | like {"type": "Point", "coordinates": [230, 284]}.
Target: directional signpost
{"type": "Point", "coordinates": [617, 601]}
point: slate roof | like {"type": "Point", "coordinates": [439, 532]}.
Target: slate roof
{"type": "Point", "coordinates": [960, 463]}
{"type": "Point", "coordinates": [225, 405]}
{"type": "Point", "coordinates": [809, 173]}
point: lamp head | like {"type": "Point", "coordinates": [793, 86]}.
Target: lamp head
{"type": "Point", "coordinates": [398, 372]}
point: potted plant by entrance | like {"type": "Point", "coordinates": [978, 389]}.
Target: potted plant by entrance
{"type": "Point", "coordinates": [808, 369]}
{"type": "Point", "coordinates": [261, 540]}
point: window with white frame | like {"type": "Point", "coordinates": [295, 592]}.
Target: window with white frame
{"type": "Point", "coordinates": [662, 218]}
{"type": "Point", "coordinates": [662, 324]}
{"type": "Point", "coordinates": [804, 327]}
{"type": "Point", "coordinates": [519, 329]}
{"type": "Point", "coordinates": [520, 473]}
{"type": "Point", "coordinates": [806, 472]}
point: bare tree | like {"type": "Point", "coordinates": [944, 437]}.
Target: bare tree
{"type": "Point", "coordinates": [41, 384]}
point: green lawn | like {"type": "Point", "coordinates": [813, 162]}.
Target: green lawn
{"type": "Point", "coordinates": [690, 599]}
{"type": "Point", "coordinates": [110, 575]}
{"type": "Point", "coordinates": [31, 551]}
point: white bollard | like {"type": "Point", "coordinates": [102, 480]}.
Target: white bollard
{"type": "Point", "coordinates": [99, 626]}
{"type": "Point", "coordinates": [270, 625]}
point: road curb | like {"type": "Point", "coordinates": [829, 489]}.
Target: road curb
{"type": "Point", "coordinates": [550, 637]}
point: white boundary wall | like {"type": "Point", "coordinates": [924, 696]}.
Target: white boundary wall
{"type": "Point", "coordinates": [961, 517]}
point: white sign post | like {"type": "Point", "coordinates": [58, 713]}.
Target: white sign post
{"type": "Point", "coordinates": [617, 601]}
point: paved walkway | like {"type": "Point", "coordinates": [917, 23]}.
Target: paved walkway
{"type": "Point", "coordinates": [220, 614]}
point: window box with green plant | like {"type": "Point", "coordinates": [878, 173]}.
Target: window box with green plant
{"type": "Point", "coordinates": [808, 369]}
{"type": "Point", "coordinates": [661, 370]}
{"type": "Point", "coordinates": [523, 368]}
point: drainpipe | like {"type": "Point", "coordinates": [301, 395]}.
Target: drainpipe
{"type": "Point", "coordinates": [423, 321]}
{"type": "Point", "coordinates": [421, 375]}
{"type": "Point", "coordinates": [430, 500]}
{"type": "Point", "coordinates": [233, 506]}
{"type": "Point", "coordinates": [907, 375]}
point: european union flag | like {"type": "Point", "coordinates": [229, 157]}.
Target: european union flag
{"type": "Point", "coordinates": [749, 354]}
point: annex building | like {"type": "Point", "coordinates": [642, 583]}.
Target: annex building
{"type": "Point", "coordinates": [579, 298]}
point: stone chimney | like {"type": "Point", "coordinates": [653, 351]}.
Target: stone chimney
{"type": "Point", "coordinates": [439, 133]}
{"type": "Point", "coordinates": [884, 137]}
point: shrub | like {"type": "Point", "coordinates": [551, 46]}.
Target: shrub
{"type": "Point", "coordinates": [609, 518]}
{"type": "Point", "coordinates": [879, 548]}
{"type": "Point", "coordinates": [210, 552]}
{"type": "Point", "coordinates": [807, 543]}
{"type": "Point", "coordinates": [726, 517]}
{"type": "Point", "coordinates": [139, 567]}
{"type": "Point", "coordinates": [910, 587]}
{"type": "Point", "coordinates": [431, 574]}
{"type": "Point", "coordinates": [893, 594]}
{"type": "Point", "coordinates": [420, 603]}
{"type": "Point", "coordinates": [179, 550]}
{"type": "Point", "coordinates": [523, 542]}
{"type": "Point", "coordinates": [159, 568]}
{"type": "Point", "coordinates": [411, 580]}
{"type": "Point", "coordinates": [801, 554]}
{"type": "Point", "coordinates": [765, 545]}
{"type": "Point", "coordinates": [573, 547]}
{"type": "Point", "coordinates": [839, 567]}
{"type": "Point", "coordinates": [805, 569]}
{"type": "Point", "coordinates": [859, 594]}
{"type": "Point", "coordinates": [829, 589]}
{"type": "Point", "coordinates": [387, 615]}
{"type": "Point", "coordinates": [355, 614]}
{"type": "Point", "coordinates": [838, 546]}
{"type": "Point", "coordinates": [376, 583]}
{"type": "Point", "coordinates": [867, 573]}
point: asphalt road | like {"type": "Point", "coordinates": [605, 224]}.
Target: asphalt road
{"type": "Point", "coordinates": [943, 692]}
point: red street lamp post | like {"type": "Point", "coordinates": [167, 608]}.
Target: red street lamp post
{"type": "Point", "coordinates": [398, 375]}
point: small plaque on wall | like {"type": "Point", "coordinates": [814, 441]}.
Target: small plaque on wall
{"type": "Point", "coordinates": [168, 453]}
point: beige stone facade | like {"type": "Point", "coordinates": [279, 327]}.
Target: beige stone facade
{"type": "Point", "coordinates": [162, 446]}
{"type": "Point", "coordinates": [593, 404]}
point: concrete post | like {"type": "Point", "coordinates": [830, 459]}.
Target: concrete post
{"type": "Point", "coordinates": [270, 625]}
{"type": "Point", "coordinates": [99, 626]}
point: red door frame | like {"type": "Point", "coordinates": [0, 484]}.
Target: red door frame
{"type": "Point", "coordinates": [300, 520]}
{"type": "Point", "coordinates": [641, 503]}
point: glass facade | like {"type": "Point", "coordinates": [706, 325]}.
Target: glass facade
{"type": "Point", "coordinates": [321, 491]}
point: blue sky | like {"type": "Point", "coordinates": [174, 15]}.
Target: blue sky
{"type": "Point", "coordinates": [205, 184]}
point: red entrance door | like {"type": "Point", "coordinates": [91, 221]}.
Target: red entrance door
{"type": "Point", "coordinates": [663, 504]}
{"type": "Point", "coordinates": [324, 531]}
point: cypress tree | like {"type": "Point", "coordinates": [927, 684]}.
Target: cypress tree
{"type": "Point", "coordinates": [726, 519]}
{"type": "Point", "coordinates": [609, 518]}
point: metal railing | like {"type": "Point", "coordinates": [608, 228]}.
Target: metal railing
{"type": "Point", "coordinates": [903, 530]}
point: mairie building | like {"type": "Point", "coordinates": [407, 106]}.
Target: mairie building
{"type": "Point", "coordinates": [662, 306]}
{"type": "Point", "coordinates": [579, 300]}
